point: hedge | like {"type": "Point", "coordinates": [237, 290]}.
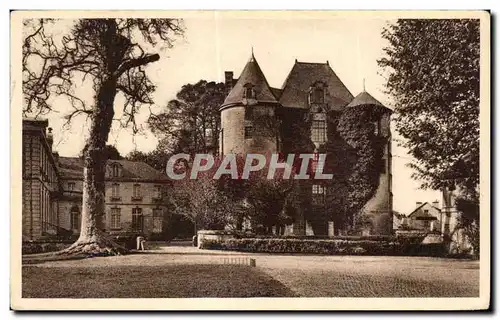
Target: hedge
{"type": "Point", "coordinates": [43, 247]}
{"type": "Point", "coordinates": [329, 247]}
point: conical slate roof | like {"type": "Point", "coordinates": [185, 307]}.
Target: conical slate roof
{"type": "Point", "coordinates": [364, 98]}
{"type": "Point", "coordinates": [251, 74]}
{"type": "Point", "coordinates": [303, 74]}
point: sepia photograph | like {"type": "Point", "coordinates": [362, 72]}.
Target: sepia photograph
{"type": "Point", "coordinates": [219, 160]}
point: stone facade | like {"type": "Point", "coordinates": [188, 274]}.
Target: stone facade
{"type": "Point", "coordinates": [53, 188]}
{"type": "Point", "coordinates": [313, 91]}
{"type": "Point", "coordinates": [40, 181]}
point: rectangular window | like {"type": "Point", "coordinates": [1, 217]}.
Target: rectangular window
{"type": "Point", "coordinates": [157, 220]}
{"type": "Point", "coordinates": [115, 218]}
{"type": "Point", "coordinates": [116, 170]}
{"type": "Point", "coordinates": [137, 191]}
{"type": "Point", "coordinates": [137, 219]}
{"type": "Point", "coordinates": [318, 95]}
{"type": "Point", "coordinates": [376, 127]}
{"type": "Point", "coordinates": [71, 186]}
{"type": "Point", "coordinates": [318, 131]}
{"type": "Point", "coordinates": [75, 218]}
{"type": "Point", "coordinates": [157, 192]}
{"type": "Point", "coordinates": [318, 189]}
{"type": "Point", "coordinates": [115, 191]}
{"type": "Point", "coordinates": [318, 194]}
{"type": "Point", "coordinates": [248, 132]}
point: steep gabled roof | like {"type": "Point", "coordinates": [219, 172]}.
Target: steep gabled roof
{"type": "Point", "coordinates": [72, 167]}
{"type": "Point", "coordinates": [251, 74]}
{"type": "Point", "coordinates": [420, 214]}
{"type": "Point", "coordinates": [295, 89]}
{"type": "Point", "coordinates": [364, 98]}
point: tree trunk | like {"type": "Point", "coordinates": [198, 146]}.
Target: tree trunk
{"type": "Point", "coordinates": [92, 239]}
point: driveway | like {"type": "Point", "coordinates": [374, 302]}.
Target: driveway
{"type": "Point", "coordinates": [323, 276]}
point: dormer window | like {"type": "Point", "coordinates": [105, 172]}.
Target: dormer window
{"type": "Point", "coordinates": [317, 93]}
{"type": "Point", "coordinates": [249, 91]}
{"type": "Point", "coordinates": [115, 170]}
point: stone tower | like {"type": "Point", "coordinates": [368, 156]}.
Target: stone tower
{"type": "Point", "coordinates": [248, 114]}
{"type": "Point", "coordinates": [379, 207]}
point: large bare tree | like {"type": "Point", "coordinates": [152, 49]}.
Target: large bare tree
{"type": "Point", "coordinates": [111, 55]}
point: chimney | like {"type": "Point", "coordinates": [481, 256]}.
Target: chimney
{"type": "Point", "coordinates": [228, 80]}
{"type": "Point", "coordinates": [418, 204]}
{"type": "Point", "coordinates": [435, 204]}
{"type": "Point", "coordinates": [50, 138]}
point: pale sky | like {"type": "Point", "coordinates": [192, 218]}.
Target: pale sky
{"type": "Point", "coordinates": [214, 44]}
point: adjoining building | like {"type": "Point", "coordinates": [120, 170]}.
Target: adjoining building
{"type": "Point", "coordinates": [52, 191]}
{"type": "Point", "coordinates": [442, 221]}
{"type": "Point", "coordinates": [314, 91]}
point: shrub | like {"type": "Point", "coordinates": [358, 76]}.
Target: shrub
{"type": "Point", "coordinates": [327, 246]}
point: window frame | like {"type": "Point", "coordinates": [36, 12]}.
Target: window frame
{"type": "Point", "coordinates": [115, 190]}
{"type": "Point", "coordinates": [115, 218]}
{"type": "Point", "coordinates": [319, 131]}
{"type": "Point", "coordinates": [157, 219]}
{"type": "Point", "coordinates": [136, 190]}
{"type": "Point", "coordinates": [75, 214]}
{"type": "Point", "coordinates": [318, 194]}
{"type": "Point", "coordinates": [157, 191]}
{"type": "Point", "coordinates": [137, 219]}
{"type": "Point", "coordinates": [115, 170]}
{"type": "Point", "coordinates": [249, 91]}
{"type": "Point", "coordinates": [248, 131]}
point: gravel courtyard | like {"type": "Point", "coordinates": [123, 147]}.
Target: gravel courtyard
{"type": "Point", "coordinates": [320, 276]}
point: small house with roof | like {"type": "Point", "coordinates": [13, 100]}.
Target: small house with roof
{"type": "Point", "coordinates": [425, 217]}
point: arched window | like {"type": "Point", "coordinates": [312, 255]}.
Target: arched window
{"type": "Point", "coordinates": [75, 218]}
{"type": "Point", "coordinates": [249, 91]}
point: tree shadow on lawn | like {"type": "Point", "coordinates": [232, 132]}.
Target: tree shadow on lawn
{"type": "Point", "coordinates": [173, 281]}
{"type": "Point", "coordinates": [38, 258]}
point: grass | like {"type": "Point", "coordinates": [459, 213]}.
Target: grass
{"type": "Point", "coordinates": [173, 281]}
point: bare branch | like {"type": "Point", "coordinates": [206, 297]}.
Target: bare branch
{"type": "Point", "coordinates": [129, 64]}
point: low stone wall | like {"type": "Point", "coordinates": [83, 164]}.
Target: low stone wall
{"type": "Point", "coordinates": [214, 235]}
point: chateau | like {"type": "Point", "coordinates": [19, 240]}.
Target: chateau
{"type": "Point", "coordinates": [310, 91]}
{"type": "Point", "coordinates": [52, 191]}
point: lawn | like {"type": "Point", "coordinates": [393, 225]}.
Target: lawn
{"type": "Point", "coordinates": [169, 281]}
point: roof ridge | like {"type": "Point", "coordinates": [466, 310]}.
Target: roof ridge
{"type": "Point", "coordinates": [304, 62]}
